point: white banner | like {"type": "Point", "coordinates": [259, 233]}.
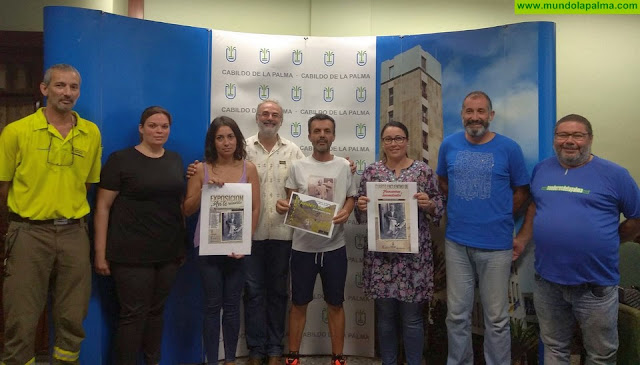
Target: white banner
{"type": "Point", "coordinates": [308, 75]}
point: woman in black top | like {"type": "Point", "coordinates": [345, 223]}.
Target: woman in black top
{"type": "Point", "coordinates": [139, 234]}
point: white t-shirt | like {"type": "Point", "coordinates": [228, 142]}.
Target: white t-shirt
{"type": "Point", "coordinates": [330, 180]}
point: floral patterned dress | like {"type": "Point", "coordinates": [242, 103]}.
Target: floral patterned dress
{"type": "Point", "coordinates": [402, 276]}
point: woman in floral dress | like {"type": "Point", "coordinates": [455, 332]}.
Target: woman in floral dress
{"type": "Point", "coordinates": [400, 283]}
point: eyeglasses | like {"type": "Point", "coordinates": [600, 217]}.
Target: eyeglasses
{"type": "Point", "coordinates": [62, 153]}
{"type": "Point", "coordinates": [577, 136]}
{"type": "Point", "coordinates": [397, 140]}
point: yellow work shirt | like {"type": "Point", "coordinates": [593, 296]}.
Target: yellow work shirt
{"type": "Point", "coordinates": [47, 172]}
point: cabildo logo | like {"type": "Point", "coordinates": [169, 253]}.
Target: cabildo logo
{"type": "Point", "coordinates": [329, 58]}
{"type": "Point", "coordinates": [361, 130]}
{"type": "Point", "coordinates": [359, 241]}
{"type": "Point", "coordinates": [361, 317]}
{"type": "Point", "coordinates": [231, 53]}
{"type": "Point", "coordinates": [361, 58]}
{"type": "Point", "coordinates": [230, 91]}
{"type": "Point", "coordinates": [265, 55]}
{"type": "Point", "coordinates": [296, 93]}
{"type": "Point", "coordinates": [358, 280]}
{"type": "Point", "coordinates": [296, 57]}
{"type": "Point", "coordinates": [361, 94]}
{"type": "Point", "coordinates": [325, 315]}
{"type": "Point", "coordinates": [263, 92]}
{"type": "Point", "coordinates": [328, 94]}
{"type": "Point", "coordinates": [360, 166]}
{"type": "Point", "coordinates": [296, 129]}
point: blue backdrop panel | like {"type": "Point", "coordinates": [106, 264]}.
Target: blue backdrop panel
{"type": "Point", "coordinates": [546, 87]}
{"type": "Point", "coordinates": [126, 65]}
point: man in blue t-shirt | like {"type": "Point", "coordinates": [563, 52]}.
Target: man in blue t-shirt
{"type": "Point", "coordinates": [486, 181]}
{"type": "Point", "coordinates": [575, 222]}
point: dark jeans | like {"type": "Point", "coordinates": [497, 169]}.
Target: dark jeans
{"type": "Point", "coordinates": [142, 291]}
{"type": "Point", "coordinates": [388, 312]}
{"type": "Point", "coordinates": [266, 296]}
{"type": "Point", "coordinates": [222, 279]}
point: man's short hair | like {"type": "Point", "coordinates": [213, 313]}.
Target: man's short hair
{"type": "Point", "coordinates": [272, 101]}
{"type": "Point", "coordinates": [478, 94]}
{"type": "Point", "coordinates": [576, 118]}
{"type": "Point", "coordinates": [321, 116]}
{"type": "Point", "coordinates": [46, 80]}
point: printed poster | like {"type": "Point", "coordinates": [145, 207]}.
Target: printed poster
{"type": "Point", "coordinates": [225, 219]}
{"type": "Point", "coordinates": [311, 214]}
{"type": "Point", "coordinates": [392, 215]}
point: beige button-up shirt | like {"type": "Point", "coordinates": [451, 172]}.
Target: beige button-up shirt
{"type": "Point", "coordinates": [273, 170]}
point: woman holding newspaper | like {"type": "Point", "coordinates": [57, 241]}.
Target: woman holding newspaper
{"type": "Point", "coordinates": [400, 283]}
{"type": "Point", "coordinates": [222, 276]}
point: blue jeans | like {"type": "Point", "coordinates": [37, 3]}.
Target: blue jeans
{"type": "Point", "coordinates": [222, 279]}
{"type": "Point", "coordinates": [595, 308]}
{"type": "Point", "coordinates": [387, 312]}
{"type": "Point", "coordinates": [266, 296]}
{"type": "Point", "coordinates": [492, 268]}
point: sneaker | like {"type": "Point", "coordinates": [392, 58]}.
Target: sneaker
{"type": "Point", "coordinates": [338, 360]}
{"type": "Point", "coordinates": [292, 359]}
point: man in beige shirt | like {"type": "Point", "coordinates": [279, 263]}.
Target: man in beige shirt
{"type": "Point", "coordinates": [267, 268]}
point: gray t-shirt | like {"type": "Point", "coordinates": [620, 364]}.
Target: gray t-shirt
{"type": "Point", "coordinates": [330, 180]}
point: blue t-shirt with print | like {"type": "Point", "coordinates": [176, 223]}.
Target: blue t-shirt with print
{"type": "Point", "coordinates": [576, 222]}
{"type": "Point", "coordinates": [480, 199]}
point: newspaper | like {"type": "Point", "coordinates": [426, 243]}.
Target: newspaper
{"type": "Point", "coordinates": [311, 214]}
{"type": "Point", "coordinates": [392, 215]}
{"type": "Point", "coordinates": [225, 219]}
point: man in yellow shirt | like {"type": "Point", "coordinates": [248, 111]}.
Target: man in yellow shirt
{"type": "Point", "coordinates": [47, 162]}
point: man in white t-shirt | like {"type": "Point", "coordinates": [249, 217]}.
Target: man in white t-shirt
{"type": "Point", "coordinates": [313, 254]}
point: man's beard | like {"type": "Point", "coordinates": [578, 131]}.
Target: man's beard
{"type": "Point", "coordinates": [576, 160]}
{"type": "Point", "coordinates": [269, 131]}
{"type": "Point", "coordinates": [476, 132]}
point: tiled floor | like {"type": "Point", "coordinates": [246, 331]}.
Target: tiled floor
{"type": "Point", "coordinates": [305, 360]}
{"type": "Point", "coordinates": [326, 360]}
